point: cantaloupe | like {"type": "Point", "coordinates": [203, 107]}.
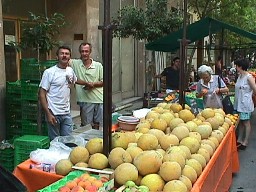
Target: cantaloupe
{"type": "Point", "coordinates": [63, 167]}
{"type": "Point", "coordinates": [175, 157]}
{"type": "Point", "coordinates": [167, 116]}
{"type": "Point", "coordinates": [147, 142]}
{"type": "Point", "coordinates": [175, 122]}
{"type": "Point", "coordinates": [94, 145]}
{"type": "Point", "coordinates": [125, 172]}
{"type": "Point", "coordinates": [153, 181]}
{"type": "Point", "coordinates": [134, 151]}
{"type": "Point", "coordinates": [117, 156]}
{"type": "Point", "coordinates": [186, 181]}
{"type": "Point", "coordinates": [204, 130]}
{"type": "Point", "coordinates": [170, 170]}
{"type": "Point", "coordinates": [207, 113]}
{"type": "Point", "coordinates": [196, 165]}
{"type": "Point", "coordinates": [192, 143]}
{"type": "Point", "coordinates": [148, 162]}
{"type": "Point", "coordinates": [79, 154]}
{"type": "Point", "coordinates": [190, 173]}
{"type": "Point", "coordinates": [181, 132]}
{"type": "Point", "coordinates": [200, 159]}
{"type": "Point", "coordinates": [119, 139]}
{"type": "Point", "coordinates": [186, 115]}
{"type": "Point", "coordinates": [175, 186]}
{"type": "Point", "coordinates": [98, 161]}
{"type": "Point", "coordinates": [168, 140]}
{"type": "Point", "coordinates": [160, 124]}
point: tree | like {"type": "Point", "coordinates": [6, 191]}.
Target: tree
{"type": "Point", "coordinates": [147, 24]}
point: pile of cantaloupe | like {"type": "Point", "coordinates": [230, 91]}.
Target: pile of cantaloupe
{"type": "Point", "coordinates": [167, 152]}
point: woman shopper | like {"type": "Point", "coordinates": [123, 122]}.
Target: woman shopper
{"type": "Point", "coordinates": [244, 88]}
{"type": "Point", "coordinates": [209, 85]}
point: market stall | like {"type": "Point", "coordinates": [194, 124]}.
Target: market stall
{"type": "Point", "coordinates": [216, 176]}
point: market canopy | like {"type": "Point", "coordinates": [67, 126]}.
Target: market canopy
{"type": "Point", "coordinates": [195, 31]}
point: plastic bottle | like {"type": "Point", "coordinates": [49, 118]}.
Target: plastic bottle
{"type": "Point", "coordinates": [46, 167]}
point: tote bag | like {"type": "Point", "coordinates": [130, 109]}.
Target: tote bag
{"type": "Point", "coordinates": [228, 107]}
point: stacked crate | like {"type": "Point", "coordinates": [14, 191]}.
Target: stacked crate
{"type": "Point", "coordinates": [31, 73]}
{"type": "Point", "coordinates": [7, 155]}
{"type": "Point", "coordinates": [13, 109]}
{"type": "Point", "coordinates": [25, 144]}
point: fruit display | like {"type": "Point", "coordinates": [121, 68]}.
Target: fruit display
{"type": "Point", "coordinates": [168, 150]}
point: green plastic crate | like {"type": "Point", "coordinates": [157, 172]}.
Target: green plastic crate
{"type": "Point", "coordinates": [7, 158]}
{"type": "Point", "coordinates": [29, 90]}
{"type": "Point", "coordinates": [25, 144]}
{"type": "Point", "coordinates": [13, 88]}
{"type": "Point", "coordinates": [29, 110]}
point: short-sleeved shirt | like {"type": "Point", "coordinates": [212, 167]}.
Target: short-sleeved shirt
{"type": "Point", "coordinates": [57, 82]}
{"type": "Point", "coordinates": [172, 78]}
{"type": "Point", "coordinates": [213, 84]}
{"type": "Point", "coordinates": [94, 73]}
{"type": "Point", "coordinates": [243, 95]}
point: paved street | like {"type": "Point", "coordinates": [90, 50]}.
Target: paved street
{"type": "Point", "coordinates": [245, 179]}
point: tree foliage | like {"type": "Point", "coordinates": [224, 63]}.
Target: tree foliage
{"type": "Point", "coordinates": [39, 32]}
{"type": "Point", "coordinates": [150, 23]}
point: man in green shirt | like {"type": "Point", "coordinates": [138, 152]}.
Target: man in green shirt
{"type": "Point", "coordinates": [90, 96]}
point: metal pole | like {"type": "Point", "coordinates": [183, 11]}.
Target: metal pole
{"type": "Point", "coordinates": [183, 58]}
{"type": "Point", "coordinates": [107, 78]}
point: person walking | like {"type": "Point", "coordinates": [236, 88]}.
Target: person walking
{"type": "Point", "coordinates": [89, 97]}
{"type": "Point", "coordinates": [209, 84]}
{"type": "Point", "coordinates": [54, 94]}
{"type": "Point", "coordinates": [244, 88]}
{"type": "Point", "coordinates": [172, 74]}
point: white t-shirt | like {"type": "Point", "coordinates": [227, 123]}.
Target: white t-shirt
{"type": "Point", "coordinates": [57, 83]}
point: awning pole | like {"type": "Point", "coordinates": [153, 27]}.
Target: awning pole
{"type": "Point", "coordinates": [183, 58]}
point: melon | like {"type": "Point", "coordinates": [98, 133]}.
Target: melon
{"type": "Point", "coordinates": [167, 116]}
{"type": "Point", "coordinates": [192, 143]}
{"type": "Point", "coordinates": [186, 181]}
{"type": "Point", "coordinates": [159, 124]}
{"type": "Point", "coordinates": [176, 107]}
{"type": "Point", "coordinates": [117, 156]}
{"type": "Point", "coordinates": [162, 104]}
{"type": "Point", "coordinates": [176, 149]}
{"type": "Point", "coordinates": [94, 145]}
{"type": "Point", "coordinates": [158, 109]}
{"type": "Point", "coordinates": [217, 134]}
{"type": "Point", "coordinates": [204, 130]}
{"type": "Point", "coordinates": [158, 133]}
{"type": "Point", "coordinates": [152, 115]}
{"type": "Point", "coordinates": [199, 116]}
{"type": "Point", "coordinates": [204, 153]}
{"type": "Point", "coordinates": [200, 158]}
{"type": "Point", "coordinates": [170, 170]}
{"type": "Point", "coordinates": [209, 142]}
{"type": "Point", "coordinates": [186, 115]}
{"type": "Point", "coordinates": [192, 126]}
{"type": "Point", "coordinates": [215, 141]}
{"type": "Point", "coordinates": [153, 181]}
{"type": "Point", "coordinates": [197, 121]}
{"type": "Point", "coordinates": [125, 172]}
{"type": "Point", "coordinates": [175, 186]}
{"type": "Point", "coordinates": [175, 157]}
{"type": "Point", "coordinates": [142, 130]}
{"type": "Point", "coordinates": [190, 173]}
{"type": "Point", "coordinates": [131, 137]}
{"type": "Point", "coordinates": [214, 122]}
{"type": "Point", "coordinates": [147, 142]}
{"type": "Point", "coordinates": [143, 124]}
{"type": "Point", "coordinates": [63, 167]}
{"type": "Point", "coordinates": [148, 162]}
{"type": "Point", "coordinates": [208, 148]}
{"type": "Point", "coordinates": [220, 111]}
{"type": "Point", "coordinates": [134, 151]}
{"type": "Point", "coordinates": [180, 132]}
{"type": "Point", "coordinates": [196, 165]}
{"type": "Point", "coordinates": [220, 118]}
{"type": "Point", "coordinates": [195, 135]}
{"type": "Point", "coordinates": [119, 139]}
{"type": "Point", "coordinates": [186, 150]}
{"type": "Point", "coordinates": [207, 113]}
{"type": "Point", "coordinates": [81, 164]}
{"type": "Point", "coordinates": [98, 161]}
{"type": "Point", "coordinates": [223, 130]}
{"type": "Point", "coordinates": [175, 122]}
{"type": "Point", "coordinates": [79, 154]}
{"type": "Point", "coordinates": [161, 151]}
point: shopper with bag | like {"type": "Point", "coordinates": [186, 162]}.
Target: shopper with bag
{"type": "Point", "coordinates": [208, 87]}
{"type": "Point", "coordinates": [244, 89]}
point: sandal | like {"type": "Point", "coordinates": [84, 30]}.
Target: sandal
{"type": "Point", "coordinates": [238, 144]}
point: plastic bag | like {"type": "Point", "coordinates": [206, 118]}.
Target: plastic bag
{"type": "Point", "coordinates": [60, 148]}
{"type": "Point", "coordinates": [212, 100]}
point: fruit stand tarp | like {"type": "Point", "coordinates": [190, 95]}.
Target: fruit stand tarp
{"type": "Point", "coordinates": [195, 32]}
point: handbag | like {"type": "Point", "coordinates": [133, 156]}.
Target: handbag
{"type": "Point", "coordinates": [227, 105]}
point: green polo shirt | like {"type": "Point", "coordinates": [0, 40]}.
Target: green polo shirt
{"type": "Point", "coordinates": [94, 73]}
